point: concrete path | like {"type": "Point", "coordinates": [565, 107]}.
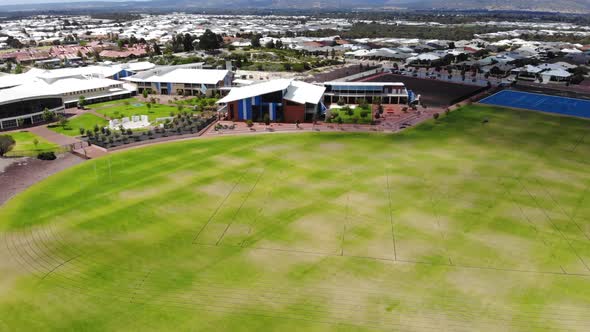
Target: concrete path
{"type": "Point", "coordinates": [52, 136]}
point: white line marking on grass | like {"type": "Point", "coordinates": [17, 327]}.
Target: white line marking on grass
{"type": "Point", "coordinates": [241, 205]}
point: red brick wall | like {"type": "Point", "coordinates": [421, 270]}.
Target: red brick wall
{"type": "Point", "coordinates": [292, 113]}
{"type": "Point", "coordinates": [233, 114]}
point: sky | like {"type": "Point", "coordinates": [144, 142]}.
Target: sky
{"type": "Point", "coordinates": [24, 2]}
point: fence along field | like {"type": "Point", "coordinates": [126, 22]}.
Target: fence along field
{"type": "Point", "coordinates": [416, 231]}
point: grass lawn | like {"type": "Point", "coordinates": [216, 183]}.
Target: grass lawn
{"type": "Point", "coordinates": [454, 225]}
{"type": "Point", "coordinates": [25, 143]}
{"type": "Point", "coordinates": [349, 118]}
{"type": "Point", "coordinates": [86, 121]}
{"type": "Point", "coordinates": [138, 108]}
{"type": "Point", "coordinates": [112, 103]}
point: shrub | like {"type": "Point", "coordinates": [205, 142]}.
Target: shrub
{"type": "Point", "coordinates": [340, 102]}
{"type": "Point", "coordinates": [249, 123]}
{"type": "Point", "coordinates": [364, 113]}
{"type": "Point", "coordinates": [6, 144]}
{"type": "Point", "coordinates": [129, 131]}
{"type": "Point", "coordinates": [435, 116]}
{"type": "Point", "coordinates": [46, 156]}
{"type": "Point", "coordinates": [266, 119]}
{"type": "Point", "coordinates": [363, 103]}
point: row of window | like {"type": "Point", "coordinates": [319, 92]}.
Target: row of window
{"type": "Point", "coordinates": [81, 92]}
{"type": "Point", "coordinates": [75, 93]}
{"type": "Point", "coordinates": [28, 107]}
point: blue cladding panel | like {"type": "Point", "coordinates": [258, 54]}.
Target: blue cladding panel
{"type": "Point", "coordinates": [240, 110]}
{"type": "Point", "coordinates": [272, 111]}
{"type": "Point", "coordinates": [158, 87]}
{"type": "Point", "coordinates": [169, 85]}
{"type": "Point", "coordinates": [249, 109]}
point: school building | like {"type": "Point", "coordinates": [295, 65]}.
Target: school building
{"type": "Point", "coordinates": [284, 100]}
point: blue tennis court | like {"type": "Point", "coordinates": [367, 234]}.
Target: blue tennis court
{"type": "Point", "coordinates": [540, 102]}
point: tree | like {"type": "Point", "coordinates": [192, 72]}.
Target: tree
{"type": "Point", "coordinates": [255, 40]}
{"type": "Point", "coordinates": [6, 144]}
{"type": "Point", "coordinates": [36, 143]}
{"type": "Point", "coordinates": [156, 49]}
{"type": "Point", "coordinates": [82, 131]}
{"type": "Point", "coordinates": [18, 69]}
{"type": "Point", "coordinates": [63, 121]}
{"type": "Point", "coordinates": [210, 41]}
{"type": "Point", "coordinates": [144, 93]}
{"type": "Point", "coordinates": [48, 116]}
{"type": "Point", "coordinates": [270, 44]}
{"type": "Point", "coordinates": [149, 106]}
{"type": "Point", "coordinates": [81, 101]}
{"type": "Point", "coordinates": [187, 42]}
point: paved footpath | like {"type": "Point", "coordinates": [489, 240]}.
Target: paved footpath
{"type": "Point", "coordinates": [52, 136]}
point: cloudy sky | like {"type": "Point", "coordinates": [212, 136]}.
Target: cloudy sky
{"type": "Point", "coordinates": [24, 2]}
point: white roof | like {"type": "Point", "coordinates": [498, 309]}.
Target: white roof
{"type": "Point", "coordinates": [557, 73]}
{"type": "Point", "coordinates": [40, 88]}
{"type": "Point", "coordinates": [254, 90]}
{"type": "Point", "coordinates": [97, 71]}
{"type": "Point", "coordinates": [184, 75]}
{"type": "Point", "coordinates": [23, 92]}
{"type": "Point", "coordinates": [296, 91]}
{"type": "Point", "coordinates": [139, 66]}
{"type": "Point", "coordinates": [301, 92]}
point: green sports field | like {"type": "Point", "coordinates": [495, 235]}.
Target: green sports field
{"type": "Point", "coordinates": [455, 225]}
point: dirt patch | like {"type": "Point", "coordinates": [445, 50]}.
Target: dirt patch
{"type": "Point", "coordinates": [19, 176]}
{"type": "Point", "coordinates": [5, 162]}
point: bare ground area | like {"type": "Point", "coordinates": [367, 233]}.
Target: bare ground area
{"type": "Point", "coordinates": [18, 174]}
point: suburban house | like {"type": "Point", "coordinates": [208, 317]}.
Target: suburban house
{"type": "Point", "coordinates": [284, 100]}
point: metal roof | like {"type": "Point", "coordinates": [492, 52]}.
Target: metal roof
{"type": "Point", "coordinates": [296, 91]}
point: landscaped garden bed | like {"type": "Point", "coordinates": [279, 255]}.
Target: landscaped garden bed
{"type": "Point", "coordinates": [181, 124]}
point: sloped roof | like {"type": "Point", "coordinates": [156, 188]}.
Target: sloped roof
{"type": "Point", "coordinates": [181, 75]}
{"type": "Point", "coordinates": [301, 92]}
{"type": "Point", "coordinates": [254, 90]}
{"type": "Point", "coordinates": [557, 73]}
{"type": "Point", "coordinates": [296, 91]}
